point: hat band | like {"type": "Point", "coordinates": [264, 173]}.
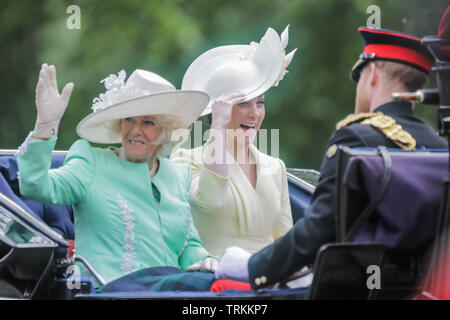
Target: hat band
{"type": "Point", "coordinates": [388, 51]}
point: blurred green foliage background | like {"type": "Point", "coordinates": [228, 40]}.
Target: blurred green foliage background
{"type": "Point", "coordinates": [166, 36]}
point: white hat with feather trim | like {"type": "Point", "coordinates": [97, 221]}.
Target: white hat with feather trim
{"type": "Point", "coordinates": [250, 69]}
{"type": "Point", "coordinates": [144, 93]}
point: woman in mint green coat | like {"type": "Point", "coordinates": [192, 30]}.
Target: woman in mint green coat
{"type": "Point", "coordinates": [131, 205]}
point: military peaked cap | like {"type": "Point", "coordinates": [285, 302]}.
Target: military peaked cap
{"type": "Point", "coordinates": [382, 44]}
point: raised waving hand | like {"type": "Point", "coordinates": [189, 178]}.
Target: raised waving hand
{"type": "Point", "coordinates": [50, 104]}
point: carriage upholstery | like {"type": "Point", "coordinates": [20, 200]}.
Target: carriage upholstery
{"type": "Point", "coordinates": [387, 210]}
{"type": "Point", "coordinates": [59, 218]}
{"type": "Point", "coordinates": [405, 216]}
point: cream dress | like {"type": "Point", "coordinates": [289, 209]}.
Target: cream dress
{"type": "Point", "coordinates": [229, 211]}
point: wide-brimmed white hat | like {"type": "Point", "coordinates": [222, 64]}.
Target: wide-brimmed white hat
{"type": "Point", "coordinates": [144, 93]}
{"type": "Point", "coordinates": [248, 69]}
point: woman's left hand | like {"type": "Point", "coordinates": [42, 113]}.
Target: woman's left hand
{"type": "Point", "coordinates": [207, 264]}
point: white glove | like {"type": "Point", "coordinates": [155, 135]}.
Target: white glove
{"type": "Point", "coordinates": [214, 153]}
{"type": "Point", "coordinates": [222, 108]}
{"type": "Point", "coordinates": [234, 264]}
{"type": "Point", "coordinates": [207, 264]}
{"type": "Point", "coordinates": [50, 104]}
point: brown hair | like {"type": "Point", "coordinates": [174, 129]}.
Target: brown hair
{"type": "Point", "coordinates": [208, 119]}
{"type": "Point", "coordinates": [410, 77]}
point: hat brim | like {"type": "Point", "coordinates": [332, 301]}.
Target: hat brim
{"type": "Point", "coordinates": [184, 105]}
{"type": "Point", "coordinates": [251, 77]}
{"type": "Point", "coordinates": [356, 69]}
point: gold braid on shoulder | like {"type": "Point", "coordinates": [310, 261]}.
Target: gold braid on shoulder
{"type": "Point", "coordinates": [385, 124]}
{"type": "Point", "coordinates": [353, 118]}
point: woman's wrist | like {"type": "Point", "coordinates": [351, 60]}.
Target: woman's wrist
{"type": "Point", "coordinates": [44, 131]}
{"type": "Point", "coordinates": [217, 135]}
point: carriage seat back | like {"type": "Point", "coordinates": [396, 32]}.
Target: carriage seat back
{"type": "Point", "coordinates": [59, 218]}
{"type": "Point", "coordinates": [405, 217]}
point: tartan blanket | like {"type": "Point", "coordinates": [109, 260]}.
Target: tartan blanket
{"type": "Point", "coordinates": [157, 279]}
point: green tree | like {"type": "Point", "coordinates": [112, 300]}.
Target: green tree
{"type": "Point", "coordinates": [166, 36]}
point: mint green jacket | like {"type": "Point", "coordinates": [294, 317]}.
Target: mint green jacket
{"type": "Point", "coordinates": [122, 224]}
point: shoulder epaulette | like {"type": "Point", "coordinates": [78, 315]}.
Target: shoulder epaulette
{"type": "Point", "coordinates": [386, 125]}
{"type": "Point", "coordinates": [353, 118]}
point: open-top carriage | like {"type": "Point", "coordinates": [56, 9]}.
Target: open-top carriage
{"type": "Point", "coordinates": [391, 217]}
{"type": "Point", "coordinates": [35, 262]}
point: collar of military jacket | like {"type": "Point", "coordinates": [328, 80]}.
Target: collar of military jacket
{"type": "Point", "coordinates": [384, 123]}
{"type": "Point", "coordinates": [396, 107]}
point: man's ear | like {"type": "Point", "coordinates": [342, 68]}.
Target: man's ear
{"type": "Point", "coordinates": [374, 76]}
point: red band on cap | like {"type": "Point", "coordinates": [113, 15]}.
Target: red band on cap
{"type": "Point", "coordinates": [399, 53]}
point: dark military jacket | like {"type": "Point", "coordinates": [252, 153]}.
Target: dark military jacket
{"type": "Point", "coordinates": [300, 245]}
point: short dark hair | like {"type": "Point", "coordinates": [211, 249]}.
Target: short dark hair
{"type": "Point", "coordinates": [410, 77]}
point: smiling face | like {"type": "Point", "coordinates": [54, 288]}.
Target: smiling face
{"type": "Point", "coordinates": [139, 135]}
{"type": "Point", "coordinates": [247, 117]}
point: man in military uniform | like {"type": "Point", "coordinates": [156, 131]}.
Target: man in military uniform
{"type": "Point", "coordinates": [391, 62]}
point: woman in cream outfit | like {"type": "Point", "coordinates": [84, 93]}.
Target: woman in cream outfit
{"type": "Point", "coordinates": [239, 195]}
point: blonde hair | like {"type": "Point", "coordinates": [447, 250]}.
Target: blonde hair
{"type": "Point", "coordinates": [169, 124]}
